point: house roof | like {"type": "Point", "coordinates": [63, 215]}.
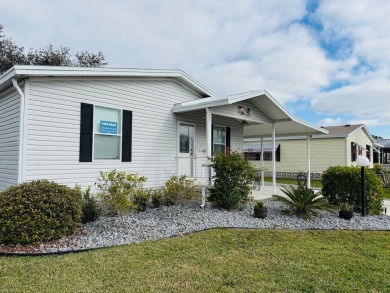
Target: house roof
{"type": "Point", "coordinates": [22, 71]}
{"type": "Point", "coordinates": [286, 124]}
{"type": "Point", "coordinates": [343, 129]}
{"type": "Point", "coordinates": [348, 129]}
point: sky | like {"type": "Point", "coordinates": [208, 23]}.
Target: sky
{"type": "Point", "coordinates": [327, 62]}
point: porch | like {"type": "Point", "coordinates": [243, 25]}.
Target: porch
{"type": "Point", "coordinates": [257, 113]}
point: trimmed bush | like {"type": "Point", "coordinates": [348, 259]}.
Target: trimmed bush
{"type": "Point", "coordinates": [157, 198]}
{"type": "Point", "coordinates": [141, 199]}
{"type": "Point", "coordinates": [90, 209]}
{"type": "Point", "coordinates": [179, 190]}
{"type": "Point", "coordinates": [38, 211]}
{"type": "Point", "coordinates": [343, 185]}
{"type": "Point", "coordinates": [233, 177]}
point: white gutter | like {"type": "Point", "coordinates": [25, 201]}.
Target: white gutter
{"type": "Point", "coordinates": [21, 130]}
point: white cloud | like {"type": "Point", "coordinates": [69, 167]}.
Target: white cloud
{"type": "Point", "coordinates": [231, 46]}
{"type": "Point", "coordinates": [364, 101]}
{"type": "Point", "coordinates": [330, 122]}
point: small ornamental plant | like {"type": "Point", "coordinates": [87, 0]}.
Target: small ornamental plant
{"type": "Point", "coordinates": [303, 202]}
{"type": "Point", "coordinates": [261, 205]}
{"type": "Point", "coordinates": [346, 207]}
{"type": "Point", "coordinates": [118, 190]}
{"type": "Point", "coordinates": [180, 190]}
{"type": "Point", "coordinates": [90, 208]}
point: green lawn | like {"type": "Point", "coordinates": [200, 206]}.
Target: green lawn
{"type": "Point", "coordinates": [314, 183]}
{"type": "Point", "coordinates": [226, 260]}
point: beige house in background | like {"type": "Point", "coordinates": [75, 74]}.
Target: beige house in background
{"type": "Point", "coordinates": [340, 146]}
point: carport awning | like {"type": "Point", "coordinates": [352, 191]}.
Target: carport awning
{"type": "Point", "coordinates": [294, 127]}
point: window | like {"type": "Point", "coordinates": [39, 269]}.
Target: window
{"type": "Point", "coordinates": [368, 152]}
{"type": "Point", "coordinates": [353, 152]}
{"type": "Point", "coordinates": [255, 154]}
{"type": "Point", "coordinates": [219, 139]}
{"type": "Point", "coordinates": [105, 133]}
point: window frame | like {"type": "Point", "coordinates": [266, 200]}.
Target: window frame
{"type": "Point", "coordinates": [214, 143]}
{"type": "Point", "coordinates": [94, 132]}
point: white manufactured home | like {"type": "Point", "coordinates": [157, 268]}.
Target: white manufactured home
{"type": "Point", "coordinates": [67, 124]}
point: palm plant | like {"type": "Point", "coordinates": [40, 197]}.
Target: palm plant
{"type": "Point", "coordinates": [386, 179]}
{"type": "Point", "coordinates": [303, 201]}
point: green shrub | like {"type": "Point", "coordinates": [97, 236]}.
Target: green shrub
{"type": "Point", "coordinates": [157, 198]}
{"type": "Point", "coordinates": [117, 190]}
{"type": "Point", "coordinates": [38, 211]}
{"type": "Point", "coordinates": [90, 209]}
{"type": "Point", "coordinates": [233, 177]}
{"type": "Point", "coordinates": [179, 190]}
{"type": "Point", "coordinates": [141, 199]}
{"type": "Point", "coordinates": [303, 201]}
{"type": "Point", "coordinates": [343, 185]}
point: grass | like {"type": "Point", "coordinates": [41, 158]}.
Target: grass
{"type": "Point", "coordinates": [226, 260]}
{"type": "Point", "coordinates": [314, 183]}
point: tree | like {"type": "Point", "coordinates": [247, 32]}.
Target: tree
{"type": "Point", "coordinates": [11, 54]}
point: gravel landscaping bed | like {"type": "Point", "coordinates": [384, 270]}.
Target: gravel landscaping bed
{"type": "Point", "coordinates": [172, 221]}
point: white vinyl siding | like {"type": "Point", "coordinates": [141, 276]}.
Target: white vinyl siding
{"type": "Point", "coordinates": [53, 132]}
{"type": "Point", "coordinates": [9, 138]}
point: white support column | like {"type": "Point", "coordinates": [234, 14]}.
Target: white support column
{"type": "Point", "coordinates": [308, 162]}
{"type": "Point", "coordinates": [273, 158]}
{"type": "Point", "coordinates": [208, 146]}
{"type": "Point", "coordinates": [262, 162]}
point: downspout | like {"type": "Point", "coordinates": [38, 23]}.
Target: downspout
{"type": "Point", "coordinates": [21, 130]}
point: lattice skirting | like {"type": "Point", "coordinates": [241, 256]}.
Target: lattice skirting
{"type": "Point", "coordinates": [282, 174]}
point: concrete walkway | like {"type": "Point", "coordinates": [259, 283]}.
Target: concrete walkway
{"type": "Point", "coordinates": [268, 191]}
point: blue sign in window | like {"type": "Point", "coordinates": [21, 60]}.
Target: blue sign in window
{"type": "Point", "coordinates": [108, 127]}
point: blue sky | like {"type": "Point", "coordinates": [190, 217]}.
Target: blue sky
{"type": "Point", "coordinates": [327, 62]}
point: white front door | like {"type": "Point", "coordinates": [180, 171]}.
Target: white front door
{"type": "Point", "coordinates": [185, 160]}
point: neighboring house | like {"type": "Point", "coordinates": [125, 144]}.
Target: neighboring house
{"type": "Point", "coordinates": [340, 146]}
{"type": "Point", "coordinates": [384, 157]}
{"type": "Point", "coordinates": [67, 124]}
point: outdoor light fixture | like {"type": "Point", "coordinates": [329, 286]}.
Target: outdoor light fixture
{"type": "Point", "coordinates": [244, 111]}
{"type": "Point", "coordinates": [362, 162]}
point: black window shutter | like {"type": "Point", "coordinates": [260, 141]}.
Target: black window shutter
{"type": "Point", "coordinates": [126, 135]}
{"type": "Point", "coordinates": [227, 138]}
{"type": "Point", "coordinates": [212, 138]}
{"type": "Point", "coordinates": [277, 156]}
{"type": "Point", "coordinates": [86, 132]}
